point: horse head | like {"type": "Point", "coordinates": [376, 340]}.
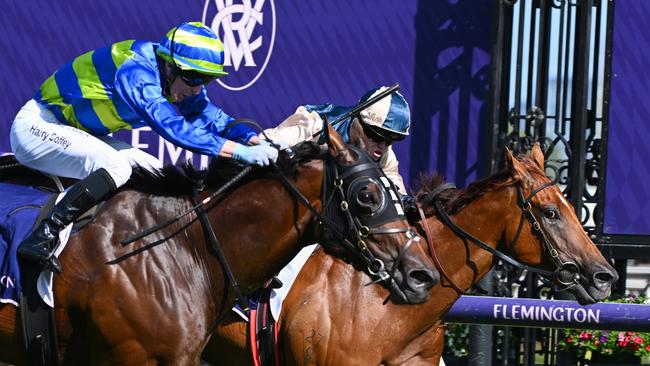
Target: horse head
{"type": "Point", "coordinates": [367, 220]}
{"type": "Point", "coordinates": [545, 232]}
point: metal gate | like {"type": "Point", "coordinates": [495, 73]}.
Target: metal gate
{"type": "Point", "coordinates": [550, 78]}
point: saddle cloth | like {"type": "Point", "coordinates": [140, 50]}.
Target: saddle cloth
{"type": "Point", "coordinates": [19, 209]}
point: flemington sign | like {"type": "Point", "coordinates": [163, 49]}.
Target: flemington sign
{"type": "Point", "coordinates": [549, 314]}
{"type": "Point", "coordinates": [544, 313]}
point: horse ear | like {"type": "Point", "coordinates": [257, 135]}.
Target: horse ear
{"type": "Point", "coordinates": [355, 134]}
{"type": "Point", "coordinates": [513, 165]}
{"type": "Point", "coordinates": [537, 155]}
{"type": "Point", "coordinates": [338, 148]}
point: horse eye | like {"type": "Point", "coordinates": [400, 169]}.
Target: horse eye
{"type": "Point", "coordinates": [365, 197]}
{"type": "Point", "coordinates": [551, 214]}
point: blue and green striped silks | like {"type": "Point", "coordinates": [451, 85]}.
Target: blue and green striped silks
{"type": "Point", "coordinates": [82, 92]}
{"type": "Point", "coordinates": [120, 87]}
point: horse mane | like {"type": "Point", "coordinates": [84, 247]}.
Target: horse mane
{"type": "Point", "coordinates": [172, 181]}
{"type": "Point", "coordinates": [454, 200]}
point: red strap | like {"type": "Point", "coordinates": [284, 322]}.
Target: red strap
{"type": "Point", "coordinates": [432, 252]}
{"type": "Point", "coordinates": [277, 344]}
{"type": "Point", "coordinates": [252, 335]}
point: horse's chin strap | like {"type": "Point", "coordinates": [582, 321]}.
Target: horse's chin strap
{"type": "Point", "coordinates": [412, 237]}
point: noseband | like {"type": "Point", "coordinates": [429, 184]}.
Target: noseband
{"type": "Point", "coordinates": [561, 267]}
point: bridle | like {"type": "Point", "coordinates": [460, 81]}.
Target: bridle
{"type": "Point", "coordinates": [524, 203]}
{"type": "Point", "coordinates": [346, 182]}
{"type": "Point", "coordinates": [354, 229]}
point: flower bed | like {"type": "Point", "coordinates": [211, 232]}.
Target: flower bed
{"type": "Point", "coordinates": [587, 343]}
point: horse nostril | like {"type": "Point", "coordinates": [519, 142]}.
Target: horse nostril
{"type": "Point", "coordinates": [421, 278]}
{"type": "Point", "coordinates": [603, 279]}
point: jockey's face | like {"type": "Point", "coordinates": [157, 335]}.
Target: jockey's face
{"type": "Point", "coordinates": [179, 89]}
{"type": "Point", "coordinates": [373, 145]}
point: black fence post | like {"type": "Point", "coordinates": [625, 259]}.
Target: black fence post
{"type": "Point", "coordinates": [481, 337]}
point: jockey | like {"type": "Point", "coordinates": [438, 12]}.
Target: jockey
{"type": "Point", "coordinates": [65, 129]}
{"type": "Point", "coordinates": [375, 128]}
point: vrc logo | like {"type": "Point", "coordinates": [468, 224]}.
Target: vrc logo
{"type": "Point", "coordinates": [247, 31]}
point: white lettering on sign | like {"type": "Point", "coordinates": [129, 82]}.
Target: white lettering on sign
{"type": "Point", "coordinates": [534, 312]}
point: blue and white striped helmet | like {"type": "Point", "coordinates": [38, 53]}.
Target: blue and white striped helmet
{"type": "Point", "coordinates": [195, 47]}
{"type": "Point", "coordinates": [390, 113]}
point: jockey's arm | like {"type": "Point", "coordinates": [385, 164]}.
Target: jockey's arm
{"type": "Point", "coordinates": [139, 86]}
{"type": "Point", "coordinates": [200, 111]}
{"type": "Point", "coordinates": [389, 165]}
{"type": "Point", "coordinates": [296, 128]}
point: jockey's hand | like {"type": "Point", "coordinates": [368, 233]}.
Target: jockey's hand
{"type": "Point", "coordinates": [281, 143]}
{"type": "Point", "coordinates": [257, 154]}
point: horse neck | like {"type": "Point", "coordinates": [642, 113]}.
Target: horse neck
{"type": "Point", "coordinates": [485, 218]}
{"type": "Point", "coordinates": [262, 225]}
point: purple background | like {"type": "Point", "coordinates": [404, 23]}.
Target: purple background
{"type": "Point", "coordinates": [324, 51]}
{"type": "Point", "coordinates": [627, 195]}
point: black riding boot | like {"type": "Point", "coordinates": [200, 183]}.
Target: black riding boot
{"type": "Point", "coordinates": [82, 196]}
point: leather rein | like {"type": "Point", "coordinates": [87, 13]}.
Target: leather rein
{"type": "Point", "coordinates": [524, 203]}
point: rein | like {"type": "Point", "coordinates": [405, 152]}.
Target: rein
{"type": "Point", "coordinates": [215, 248]}
{"type": "Point", "coordinates": [526, 215]}
{"type": "Point", "coordinates": [163, 225]}
{"type": "Point", "coordinates": [432, 250]}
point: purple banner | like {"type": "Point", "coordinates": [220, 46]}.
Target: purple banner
{"type": "Point", "coordinates": [549, 313]}
{"type": "Point", "coordinates": [282, 54]}
{"type": "Point", "coordinates": [627, 194]}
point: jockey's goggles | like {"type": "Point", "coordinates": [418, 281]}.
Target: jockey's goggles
{"type": "Point", "coordinates": [193, 78]}
{"type": "Point", "coordinates": [378, 135]}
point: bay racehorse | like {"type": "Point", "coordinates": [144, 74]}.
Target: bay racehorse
{"type": "Point", "coordinates": [330, 318]}
{"type": "Point", "coordinates": [156, 301]}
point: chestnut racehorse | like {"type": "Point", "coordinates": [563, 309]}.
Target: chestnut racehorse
{"type": "Point", "coordinates": [157, 301]}
{"type": "Point", "coordinates": [330, 318]}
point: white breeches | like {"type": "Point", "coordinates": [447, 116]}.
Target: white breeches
{"type": "Point", "coordinates": [41, 142]}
